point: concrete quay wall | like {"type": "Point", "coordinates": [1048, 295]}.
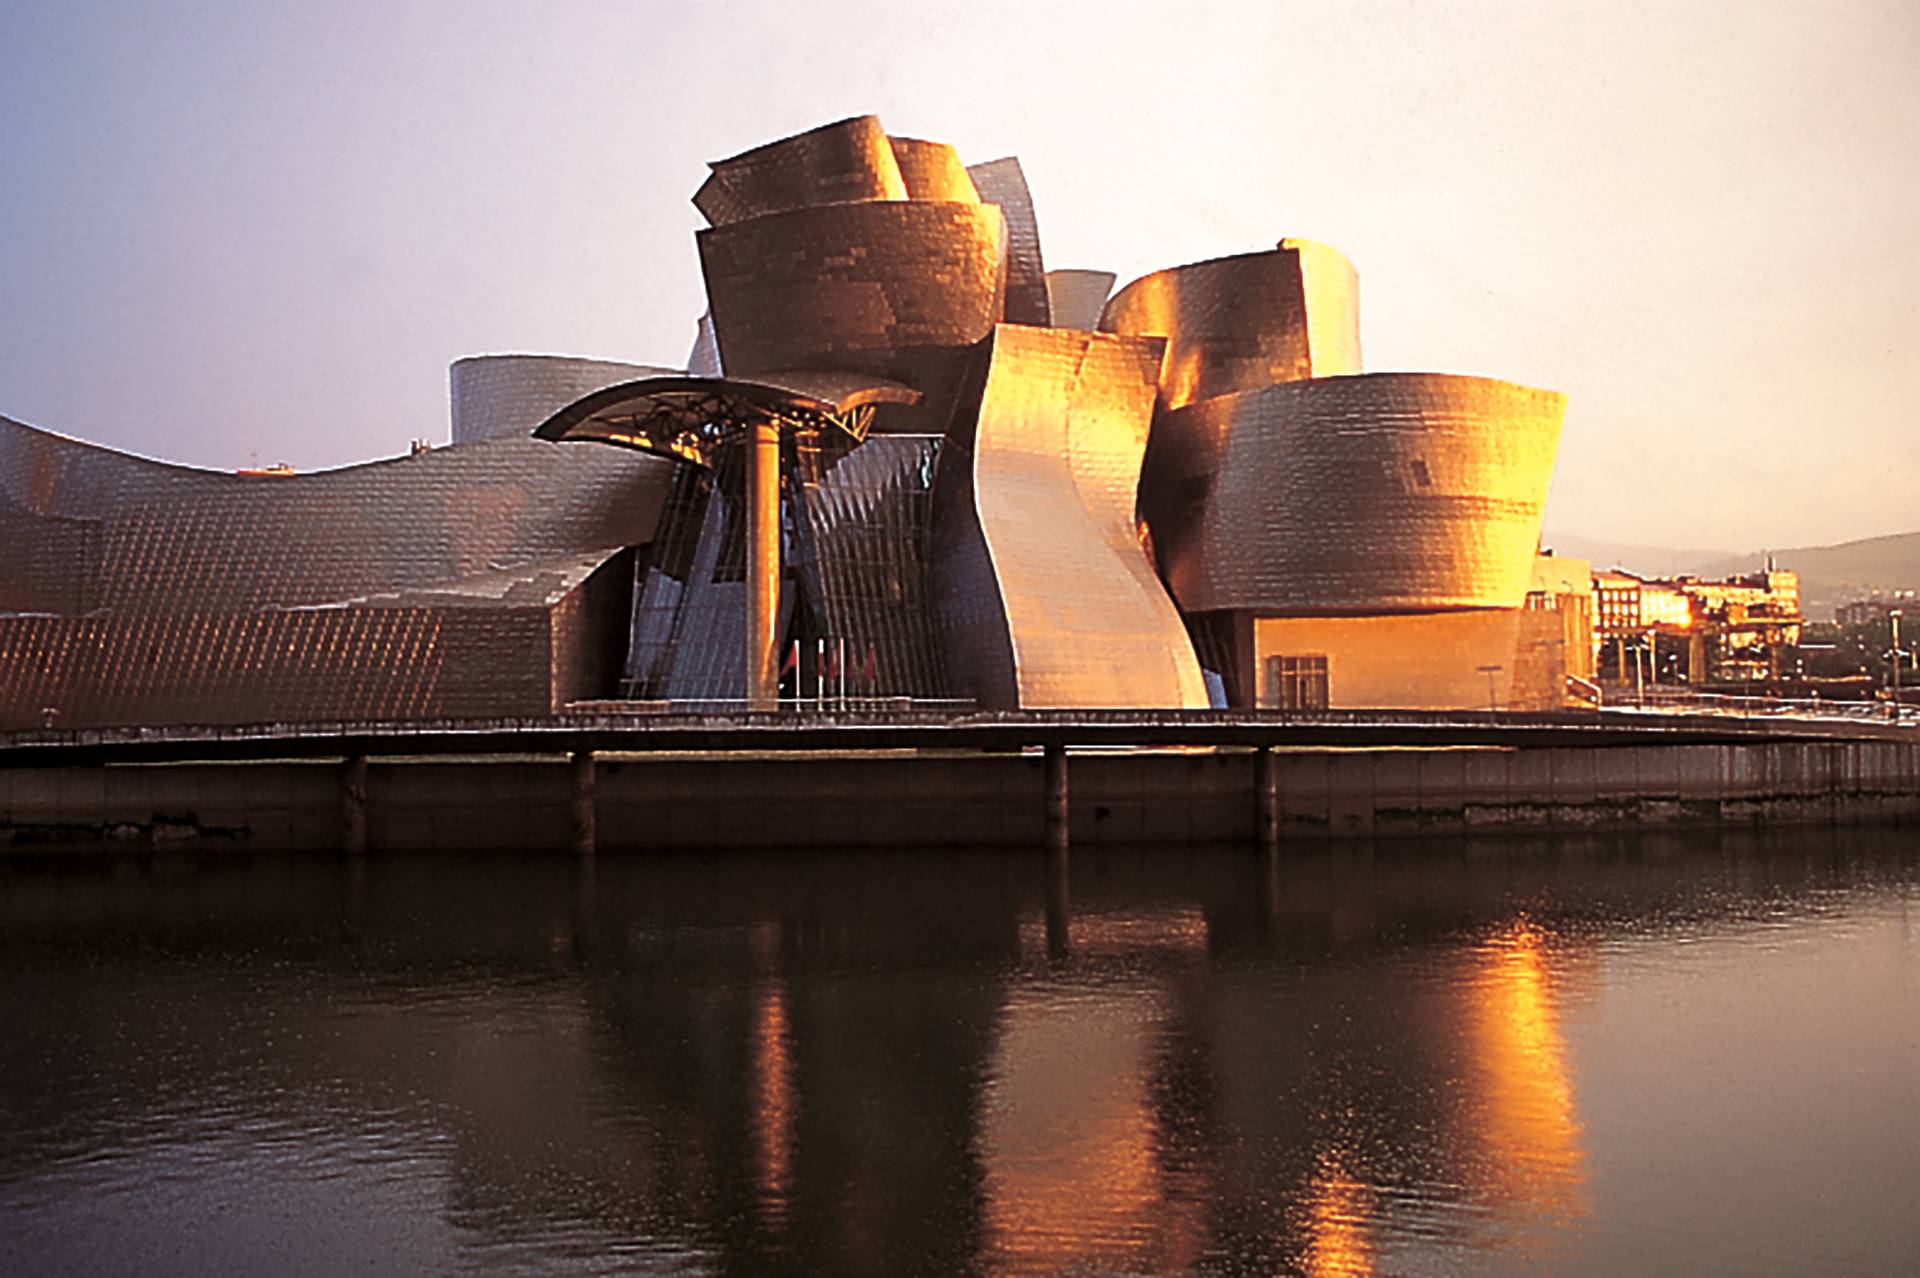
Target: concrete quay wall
{"type": "Point", "coordinates": [921, 800]}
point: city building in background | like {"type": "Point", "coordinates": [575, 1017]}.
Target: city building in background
{"type": "Point", "coordinates": [1692, 630]}
{"type": "Point", "coordinates": [905, 464]}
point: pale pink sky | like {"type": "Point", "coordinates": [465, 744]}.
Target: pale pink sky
{"type": "Point", "coordinates": [248, 232]}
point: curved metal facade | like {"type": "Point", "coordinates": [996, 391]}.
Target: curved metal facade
{"type": "Point", "coordinates": [148, 592]}
{"type": "Point", "coordinates": [901, 289]}
{"type": "Point", "coordinates": [836, 163]}
{"type": "Point", "coordinates": [1379, 493]}
{"type": "Point", "coordinates": [932, 171]}
{"type": "Point", "coordinates": [1045, 591]}
{"type": "Point", "coordinates": [173, 537]}
{"type": "Point", "coordinates": [1237, 323]}
{"type": "Point", "coordinates": [500, 396]}
{"type": "Point", "coordinates": [978, 524]}
{"type": "Point", "coordinates": [1004, 182]}
{"type": "Point", "coordinates": [846, 285]}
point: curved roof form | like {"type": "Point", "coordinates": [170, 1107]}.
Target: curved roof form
{"type": "Point", "coordinates": [841, 284]}
{"type": "Point", "coordinates": [932, 171]}
{"type": "Point", "coordinates": [692, 417]}
{"type": "Point", "coordinates": [835, 163]}
{"type": "Point", "coordinates": [495, 396]}
{"type": "Point", "coordinates": [127, 534]}
{"type": "Point", "coordinates": [1242, 322]}
{"type": "Point", "coordinates": [1378, 493]}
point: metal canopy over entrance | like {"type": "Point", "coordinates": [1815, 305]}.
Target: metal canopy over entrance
{"type": "Point", "coordinates": [694, 419]}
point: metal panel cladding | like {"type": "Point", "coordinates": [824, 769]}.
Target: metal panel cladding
{"type": "Point", "coordinates": [863, 287]}
{"type": "Point", "coordinates": [1055, 455]}
{"type": "Point", "coordinates": [1004, 182]}
{"type": "Point", "coordinates": [932, 171]}
{"type": "Point", "coordinates": [1236, 323]}
{"type": "Point", "coordinates": [495, 396]}
{"type": "Point", "coordinates": [170, 537]}
{"type": "Point", "coordinates": [1387, 492]}
{"type": "Point", "coordinates": [849, 160]}
{"type": "Point", "coordinates": [1076, 298]}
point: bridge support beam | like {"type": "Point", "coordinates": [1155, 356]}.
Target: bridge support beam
{"type": "Point", "coordinates": [353, 805]}
{"type": "Point", "coordinates": [585, 835]}
{"type": "Point", "coordinates": [1059, 828]}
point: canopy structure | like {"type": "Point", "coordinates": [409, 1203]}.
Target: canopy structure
{"type": "Point", "coordinates": [692, 418]}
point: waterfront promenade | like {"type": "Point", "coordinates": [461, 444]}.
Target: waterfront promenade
{"type": "Point", "coordinates": [867, 777]}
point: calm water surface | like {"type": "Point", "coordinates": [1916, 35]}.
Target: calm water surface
{"type": "Point", "coordinates": [1692, 1054]}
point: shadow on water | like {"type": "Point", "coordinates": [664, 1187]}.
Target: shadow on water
{"type": "Point", "coordinates": [1345, 1059]}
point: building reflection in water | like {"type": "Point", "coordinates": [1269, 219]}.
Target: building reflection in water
{"type": "Point", "coordinates": [1338, 1211]}
{"type": "Point", "coordinates": [1072, 1133]}
{"type": "Point", "coordinates": [772, 1102]}
{"type": "Point", "coordinates": [1525, 1104]}
{"type": "Point", "coordinates": [872, 1066]}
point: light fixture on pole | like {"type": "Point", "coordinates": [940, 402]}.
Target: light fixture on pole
{"type": "Point", "coordinates": [1893, 615]}
{"type": "Point", "coordinates": [1493, 700]}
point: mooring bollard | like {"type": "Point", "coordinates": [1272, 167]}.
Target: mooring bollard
{"type": "Point", "coordinates": [1266, 799]}
{"type": "Point", "coordinates": [353, 805]}
{"type": "Point", "coordinates": [1058, 826]}
{"type": "Point", "coordinates": [583, 815]}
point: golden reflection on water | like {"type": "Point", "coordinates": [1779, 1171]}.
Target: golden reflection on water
{"type": "Point", "coordinates": [1071, 1143]}
{"type": "Point", "coordinates": [1338, 1209]}
{"type": "Point", "coordinates": [772, 1101]}
{"type": "Point", "coordinates": [1527, 1115]}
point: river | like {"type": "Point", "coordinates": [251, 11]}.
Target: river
{"type": "Point", "coordinates": [1690, 1053]}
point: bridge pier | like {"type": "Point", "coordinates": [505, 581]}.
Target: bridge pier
{"type": "Point", "coordinates": [1059, 827]}
{"type": "Point", "coordinates": [1266, 799]}
{"type": "Point", "coordinates": [353, 805]}
{"type": "Point", "coordinates": [585, 836]}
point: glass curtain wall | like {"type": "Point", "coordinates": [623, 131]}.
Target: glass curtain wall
{"type": "Point", "coordinates": [855, 620]}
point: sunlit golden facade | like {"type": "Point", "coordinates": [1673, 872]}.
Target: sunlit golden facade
{"type": "Point", "coordinates": [906, 461]}
{"type": "Point", "coordinates": [1058, 569]}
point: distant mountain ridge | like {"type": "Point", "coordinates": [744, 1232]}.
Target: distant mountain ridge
{"type": "Point", "coordinates": [1829, 575]}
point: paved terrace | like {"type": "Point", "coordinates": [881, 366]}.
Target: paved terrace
{"type": "Point", "coordinates": [605, 731]}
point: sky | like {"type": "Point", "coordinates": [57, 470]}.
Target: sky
{"type": "Point", "coordinates": [244, 233]}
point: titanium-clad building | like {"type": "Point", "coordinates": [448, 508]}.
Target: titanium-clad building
{"type": "Point", "coordinates": [905, 463]}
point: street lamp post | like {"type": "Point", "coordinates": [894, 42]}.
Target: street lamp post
{"type": "Point", "coordinates": [1493, 699]}
{"type": "Point", "coordinates": [1894, 616]}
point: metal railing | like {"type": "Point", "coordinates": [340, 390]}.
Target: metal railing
{"type": "Point", "coordinates": [1658, 700]}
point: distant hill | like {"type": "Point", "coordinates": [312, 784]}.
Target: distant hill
{"type": "Point", "coordinates": [1829, 575]}
{"type": "Point", "coordinates": [1644, 561]}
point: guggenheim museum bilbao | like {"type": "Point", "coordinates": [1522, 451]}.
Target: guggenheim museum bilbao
{"type": "Point", "coordinates": [905, 461]}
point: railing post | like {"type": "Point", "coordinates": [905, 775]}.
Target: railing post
{"type": "Point", "coordinates": [353, 805]}
{"type": "Point", "coordinates": [1058, 825]}
{"type": "Point", "coordinates": [583, 803]}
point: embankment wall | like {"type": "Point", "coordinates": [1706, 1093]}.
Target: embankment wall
{"type": "Point", "coordinates": [922, 800]}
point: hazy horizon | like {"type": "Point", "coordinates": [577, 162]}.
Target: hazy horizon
{"type": "Point", "coordinates": [242, 234]}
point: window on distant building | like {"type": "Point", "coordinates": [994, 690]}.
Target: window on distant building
{"type": "Point", "coordinates": [1297, 682]}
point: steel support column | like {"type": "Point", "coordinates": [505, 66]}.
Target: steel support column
{"type": "Point", "coordinates": [763, 561]}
